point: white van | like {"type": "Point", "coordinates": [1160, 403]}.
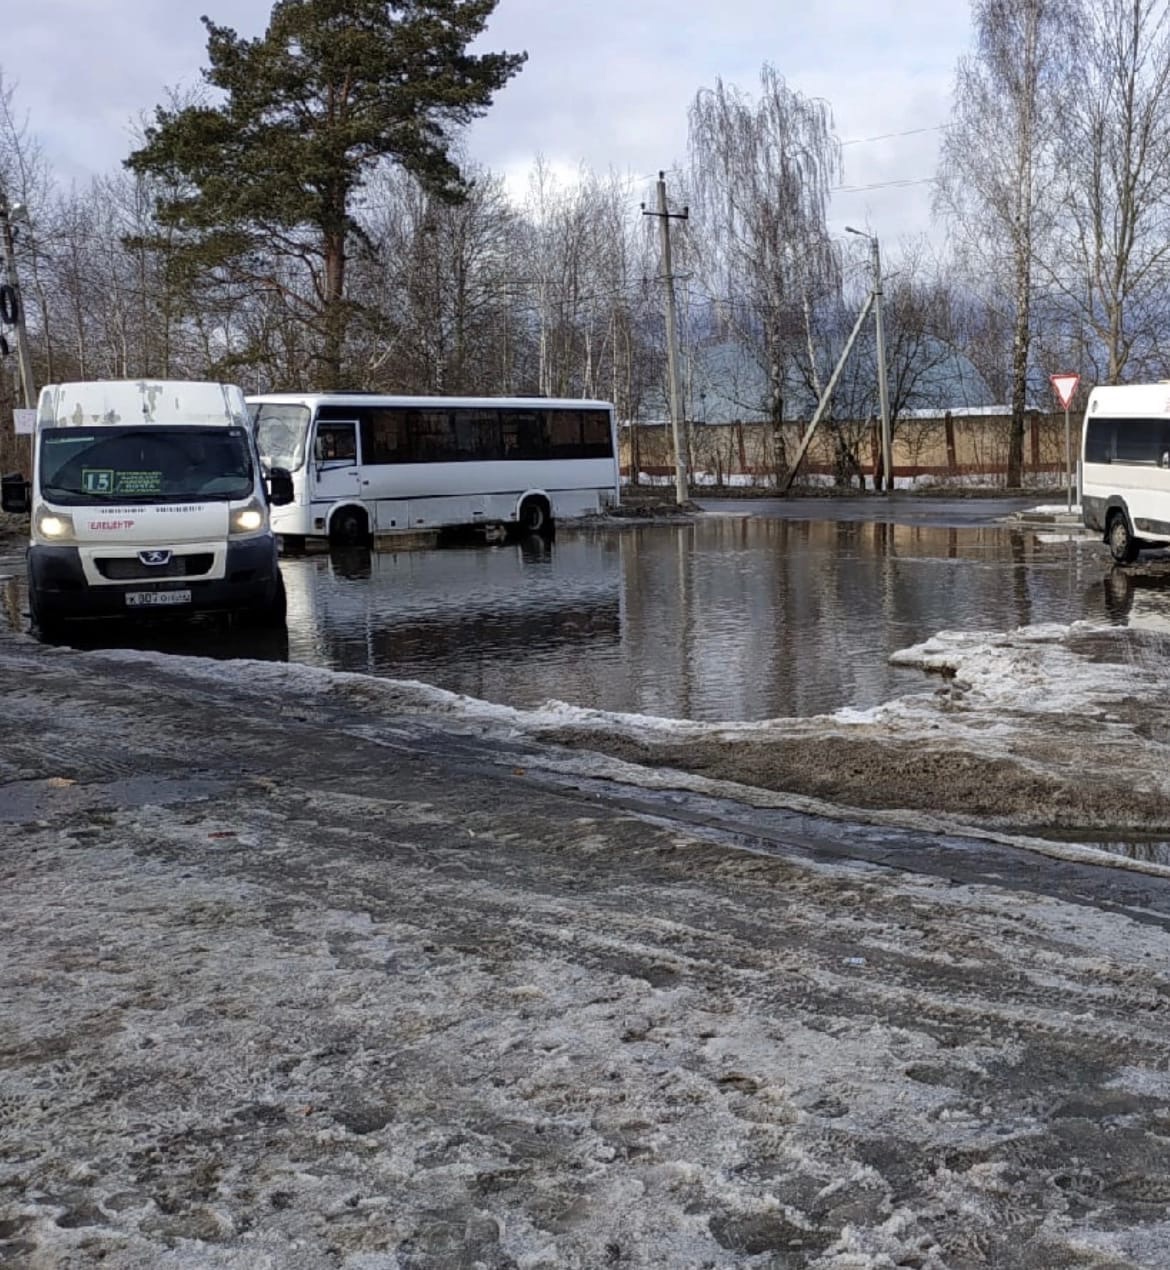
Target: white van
{"type": "Point", "coordinates": [1125, 456]}
{"type": "Point", "coordinates": [147, 497]}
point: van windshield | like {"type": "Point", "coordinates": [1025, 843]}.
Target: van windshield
{"type": "Point", "coordinates": [137, 464]}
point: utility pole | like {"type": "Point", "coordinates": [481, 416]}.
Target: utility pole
{"type": "Point", "coordinates": [883, 385]}
{"type": "Point", "coordinates": [7, 214]}
{"type": "Point", "coordinates": [664, 219]}
{"type": "Point", "coordinates": [827, 394]}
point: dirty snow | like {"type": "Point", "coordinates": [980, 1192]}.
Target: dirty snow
{"type": "Point", "coordinates": [399, 995]}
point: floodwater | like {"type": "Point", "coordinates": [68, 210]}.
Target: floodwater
{"type": "Point", "coordinates": [728, 617]}
{"type": "Point", "coordinates": [719, 619]}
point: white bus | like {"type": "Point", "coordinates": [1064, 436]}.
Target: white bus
{"type": "Point", "coordinates": [366, 465]}
{"type": "Point", "coordinates": [1125, 455]}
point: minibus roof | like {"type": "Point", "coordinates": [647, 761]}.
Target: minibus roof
{"type": "Point", "coordinates": [93, 402]}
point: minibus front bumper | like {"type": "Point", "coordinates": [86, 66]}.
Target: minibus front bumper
{"type": "Point", "coordinates": [59, 589]}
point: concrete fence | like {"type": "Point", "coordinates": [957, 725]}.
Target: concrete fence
{"type": "Point", "coordinates": [949, 449]}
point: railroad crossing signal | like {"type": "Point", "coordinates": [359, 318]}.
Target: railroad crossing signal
{"type": "Point", "coordinates": [1065, 387]}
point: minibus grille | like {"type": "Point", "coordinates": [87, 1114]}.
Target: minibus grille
{"type": "Point", "coordinates": [131, 569]}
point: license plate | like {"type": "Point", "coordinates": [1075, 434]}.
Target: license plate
{"type": "Point", "coordinates": [153, 599]}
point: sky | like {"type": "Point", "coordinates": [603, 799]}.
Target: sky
{"type": "Point", "coordinates": [607, 83]}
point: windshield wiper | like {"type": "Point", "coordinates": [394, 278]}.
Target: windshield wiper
{"type": "Point", "coordinates": [50, 489]}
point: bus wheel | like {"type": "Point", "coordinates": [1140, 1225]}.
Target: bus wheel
{"type": "Point", "coordinates": [349, 528]}
{"type": "Point", "coordinates": [535, 517]}
{"type": "Point", "coordinates": [1123, 546]}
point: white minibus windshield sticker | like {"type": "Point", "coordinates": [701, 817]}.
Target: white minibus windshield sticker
{"type": "Point", "coordinates": [104, 480]}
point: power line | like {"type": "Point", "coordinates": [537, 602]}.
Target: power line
{"type": "Point", "coordinates": [881, 185]}
{"type": "Point", "coordinates": [886, 136]}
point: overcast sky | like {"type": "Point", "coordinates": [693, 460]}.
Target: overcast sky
{"type": "Point", "coordinates": [607, 83]}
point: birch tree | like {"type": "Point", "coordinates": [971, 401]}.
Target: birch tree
{"type": "Point", "coordinates": [997, 182]}
{"type": "Point", "coordinates": [760, 173]}
{"type": "Point", "coordinates": [1111, 268]}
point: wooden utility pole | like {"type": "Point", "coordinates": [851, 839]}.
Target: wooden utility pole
{"type": "Point", "coordinates": [664, 219]}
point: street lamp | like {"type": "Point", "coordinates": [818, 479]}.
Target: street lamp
{"type": "Point", "coordinates": [883, 387]}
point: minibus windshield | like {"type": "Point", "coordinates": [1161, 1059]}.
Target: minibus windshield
{"type": "Point", "coordinates": [143, 464]}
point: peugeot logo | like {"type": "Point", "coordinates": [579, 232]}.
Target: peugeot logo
{"type": "Point", "coordinates": [155, 557]}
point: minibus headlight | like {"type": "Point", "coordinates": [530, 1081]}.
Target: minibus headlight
{"type": "Point", "coordinates": [54, 527]}
{"type": "Point", "coordinates": [249, 519]}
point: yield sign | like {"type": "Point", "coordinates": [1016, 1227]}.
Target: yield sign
{"type": "Point", "coordinates": [1064, 386]}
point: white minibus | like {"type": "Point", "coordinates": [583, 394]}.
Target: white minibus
{"type": "Point", "coordinates": [1125, 472]}
{"type": "Point", "coordinates": [365, 465]}
{"type": "Point", "coordinates": [147, 497]}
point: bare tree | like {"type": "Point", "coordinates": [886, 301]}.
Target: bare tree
{"type": "Point", "coordinates": [996, 182]}
{"type": "Point", "coordinates": [760, 175]}
{"type": "Point", "coordinates": [25, 178]}
{"type": "Point", "coordinates": [1112, 266]}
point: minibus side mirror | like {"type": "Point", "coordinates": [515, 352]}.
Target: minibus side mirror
{"type": "Point", "coordinates": [14, 494]}
{"type": "Point", "coordinates": [280, 487]}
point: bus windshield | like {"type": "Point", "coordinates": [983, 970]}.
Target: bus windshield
{"type": "Point", "coordinates": [281, 430]}
{"type": "Point", "coordinates": [137, 464]}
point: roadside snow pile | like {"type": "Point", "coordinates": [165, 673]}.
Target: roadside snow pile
{"type": "Point", "coordinates": [1045, 728]}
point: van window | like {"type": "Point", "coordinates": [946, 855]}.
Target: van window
{"type": "Point", "coordinates": [1134, 442]}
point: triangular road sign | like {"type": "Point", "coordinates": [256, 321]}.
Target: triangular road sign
{"type": "Point", "coordinates": [1065, 387]}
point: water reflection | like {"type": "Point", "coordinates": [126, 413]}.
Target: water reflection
{"type": "Point", "coordinates": [485, 621]}
{"type": "Point", "coordinates": [1139, 596]}
{"type": "Point", "coordinates": [203, 636]}
{"type": "Point", "coordinates": [718, 619]}
{"type": "Point", "coordinates": [721, 618]}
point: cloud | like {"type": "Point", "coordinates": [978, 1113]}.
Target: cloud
{"type": "Point", "coordinates": [607, 83]}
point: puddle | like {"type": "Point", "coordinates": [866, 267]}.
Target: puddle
{"type": "Point", "coordinates": [724, 618]}
{"type": "Point", "coordinates": [25, 801]}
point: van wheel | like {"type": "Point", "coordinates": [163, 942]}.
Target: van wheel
{"type": "Point", "coordinates": [349, 528]}
{"type": "Point", "coordinates": [50, 630]}
{"type": "Point", "coordinates": [1123, 546]}
{"type": "Point", "coordinates": [276, 613]}
{"type": "Point", "coordinates": [535, 517]}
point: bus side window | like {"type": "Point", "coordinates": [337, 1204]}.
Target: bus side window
{"type": "Point", "coordinates": [336, 442]}
{"type": "Point", "coordinates": [564, 434]}
{"type": "Point", "coordinates": [385, 436]}
{"type": "Point", "coordinates": [524, 435]}
{"type": "Point", "coordinates": [432, 438]}
{"type": "Point", "coordinates": [477, 434]}
{"type": "Point", "coordinates": [597, 438]}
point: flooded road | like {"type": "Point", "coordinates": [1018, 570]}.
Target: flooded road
{"type": "Point", "coordinates": [727, 617]}
{"type": "Point", "coordinates": [720, 619]}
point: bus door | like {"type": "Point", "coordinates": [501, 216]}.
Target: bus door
{"type": "Point", "coordinates": [336, 475]}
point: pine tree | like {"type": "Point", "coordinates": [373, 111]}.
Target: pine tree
{"type": "Point", "coordinates": [302, 116]}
